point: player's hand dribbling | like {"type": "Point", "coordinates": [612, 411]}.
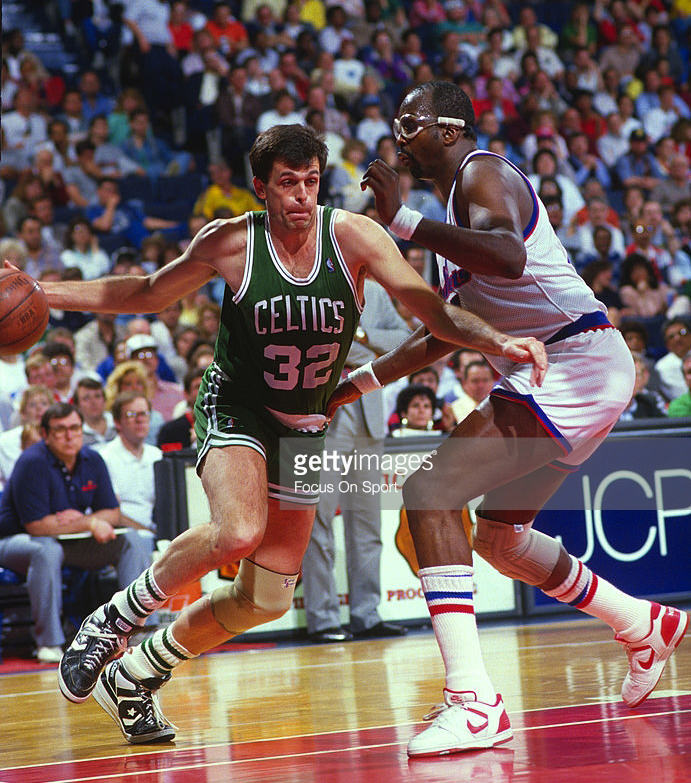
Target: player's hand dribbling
{"type": "Point", "coordinates": [384, 183]}
{"type": "Point", "coordinates": [527, 350]}
{"type": "Point", "coordinates": [344, 393]}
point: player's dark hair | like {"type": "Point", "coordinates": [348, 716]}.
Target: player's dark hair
{"type": "Point", "coordinates": [294, 145]}
{"type": "Point", "coordinates": [448, 100]}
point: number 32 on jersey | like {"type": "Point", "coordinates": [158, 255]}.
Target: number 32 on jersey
{"type": "Point", "coordinates": [290, 362]}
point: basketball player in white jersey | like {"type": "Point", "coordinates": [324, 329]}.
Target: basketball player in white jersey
{"type": "Point", "coordinates": [499, 258]}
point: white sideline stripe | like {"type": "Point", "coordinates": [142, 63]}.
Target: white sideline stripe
{"type": "Point", "coordinates": [349, 749]}
{"type": "Point", "coordinates": [323, 734]}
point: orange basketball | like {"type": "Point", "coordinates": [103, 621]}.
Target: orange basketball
{"type": "Point", "coordinates": [23, 312]}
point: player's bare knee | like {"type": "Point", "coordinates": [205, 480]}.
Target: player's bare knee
{"type": "Point", "coordinates": [229, 546]}
{"type": "Point", "coordinates": [256, 596]}
{"type": "Point", "coordinates": [517, 551]}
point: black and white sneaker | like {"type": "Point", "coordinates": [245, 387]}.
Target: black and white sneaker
{"type": "Point", "coordinates": [133, 705]}
{"type": "Point", "coordinates": [102, 636]}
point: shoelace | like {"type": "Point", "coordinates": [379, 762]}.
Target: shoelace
{"type": "Point", "coordinates": [151, 708]}
{"type": "Point", "coordinates": [92, 659]}
{"type": "Point", "coordinates": [150, 713]}
{"type": "Point", "coordinates": [436, 710]}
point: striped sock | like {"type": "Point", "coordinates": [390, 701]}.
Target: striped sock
{"type": "Point", "coordinates": [156, 656]}
{"type": "Point", "coordinates": [449, 594]}
{"type": "Point", "coordinates": [143, 597]}
{"type": "Point", "coordinates": [595, 596]}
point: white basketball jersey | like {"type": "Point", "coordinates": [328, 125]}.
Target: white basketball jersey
{"type": "Point", "coordinates": [548, 296]}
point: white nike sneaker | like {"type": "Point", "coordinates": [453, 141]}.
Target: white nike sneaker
{"type": "Point", "coordinates": [462, 723]}
{"type": "Point", "coordinates": [647, 657]}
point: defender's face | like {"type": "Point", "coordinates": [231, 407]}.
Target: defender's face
{"type": "Point", "coordinates": [291, 194]}
{"type": "Point", "coordinates": [413, 153]}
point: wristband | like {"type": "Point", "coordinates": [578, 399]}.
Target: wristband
{"type": "Point", "coordinates": [364, 379]}
{"type": "Point", "coordinates": [405, 222]}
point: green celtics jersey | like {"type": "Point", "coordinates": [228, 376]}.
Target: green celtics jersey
{"type": "Point", "coordinates": [283, 341]}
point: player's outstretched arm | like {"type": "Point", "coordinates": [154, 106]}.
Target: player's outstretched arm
{"type": "Point", "coordinates": [368, 247]}
{"type": "Point", "coordinates": [420, 350]}
{"type": "Point", "coordinates": [150, 293]}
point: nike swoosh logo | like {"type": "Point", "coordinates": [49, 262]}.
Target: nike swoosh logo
{"type": "Point", "coordinates": [477, 729]}
{"type": "Point", "coordinates": [647, 664]}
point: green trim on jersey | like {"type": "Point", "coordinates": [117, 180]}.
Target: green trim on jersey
{"type": "Point", "coordinates": [282, 341]}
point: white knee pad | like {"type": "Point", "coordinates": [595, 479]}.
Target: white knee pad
{"type": "Point", "coordinates": [523, 553]}
{"type": "Point", "coordinates": [256, 596]}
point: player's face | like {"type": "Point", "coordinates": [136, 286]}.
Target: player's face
{"type": "Point", "coordinates": [290, 195]}
{"type": "Point", "coordinates": [414, 152]}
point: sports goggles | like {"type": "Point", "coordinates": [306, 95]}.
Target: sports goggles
{"type": "Point", "coordinates": [408, 126]}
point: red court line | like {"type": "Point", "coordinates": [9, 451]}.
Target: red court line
{"type": "Point", "coordinates": [597, 743]}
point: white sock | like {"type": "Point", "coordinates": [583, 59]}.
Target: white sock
{"type": "Point", "coordinates": [449, 594]}
{"type": "Point", "coordinates": [628, 616]}
{"type": "Point", "coordinates": [156, 656]}
{"type": "Point", "coordinates": [143, 597]}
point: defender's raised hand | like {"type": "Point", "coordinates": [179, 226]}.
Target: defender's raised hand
{"type": "Point", "coordinates": [384, 183]}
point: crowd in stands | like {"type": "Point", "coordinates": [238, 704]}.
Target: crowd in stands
{"type": "Point", "coordinates": [112, 165]}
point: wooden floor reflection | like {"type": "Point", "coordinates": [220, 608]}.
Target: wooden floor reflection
{"type": "Point", "coordinates": [337, 713]}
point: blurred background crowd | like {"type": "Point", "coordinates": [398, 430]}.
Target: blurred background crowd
{"type": "Point", "coordinates": [126, 127]}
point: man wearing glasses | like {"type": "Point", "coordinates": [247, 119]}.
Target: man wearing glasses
{"type": "Point", "coordinates": [167, 395]}
{"type": "Point", "coordinates": [59, 508]}
{"type": "Point", "coordinates": [677, 336]}
{"type": "Point", "coordinates": [500, 259]}
{"type": "Point", "coordinates": [130, 462]}
{"type": "Point", "coordinates": [61, 360]}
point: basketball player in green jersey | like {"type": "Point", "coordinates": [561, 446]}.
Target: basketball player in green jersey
{"type": "Point", "coordinates": [295, 276]}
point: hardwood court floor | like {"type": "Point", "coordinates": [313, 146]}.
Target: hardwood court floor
{"type": "Point", "coordinates": [344, 713]}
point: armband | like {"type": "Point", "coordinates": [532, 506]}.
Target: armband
{"type": "Point", "coordinates": [364, 379]}
{"type": "Point", "coordinates": [405, 222]}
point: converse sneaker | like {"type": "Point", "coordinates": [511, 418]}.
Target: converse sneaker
{"type": "Point", "coordinates": [462, 723]}
{"type": "Point", "coordinates": [647, 657]}
{"type": "Point", "coordinates": [101, 637]}
{"type": "Point", "coordinates": [133, 705]}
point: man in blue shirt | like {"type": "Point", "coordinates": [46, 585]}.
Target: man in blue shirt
{"type": "Point", "coordinates": [59, 508]}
